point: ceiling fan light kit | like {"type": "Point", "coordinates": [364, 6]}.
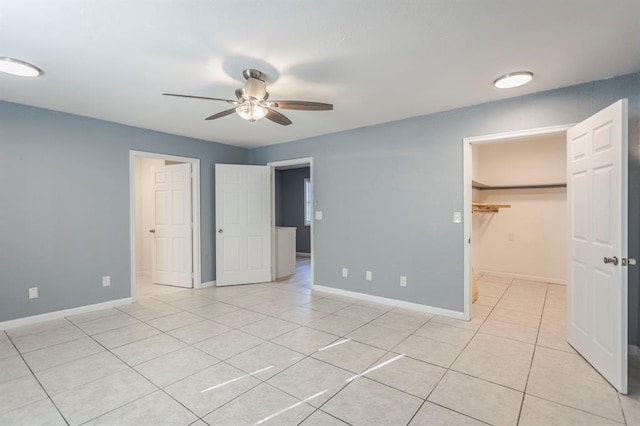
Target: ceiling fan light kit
{"type": "Point", "coordinates": [251, 111]}
{"type": "Point", "coordinates": [513, 79]}
{"type": "Point", "coordinates": [251, 103]}
{"type": "Point", "coordinates": [17, 67]}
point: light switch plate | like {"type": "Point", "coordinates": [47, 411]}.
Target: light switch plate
{"type": "Point", "coordinates": [33, 293]}
{"type": "Point", "coordinates": [318, 215]}
{"type": "Point", "coordinates": [457, 217]}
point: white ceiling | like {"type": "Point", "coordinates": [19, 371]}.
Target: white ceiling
{"type": "Point", "coordinates": [375, 60]}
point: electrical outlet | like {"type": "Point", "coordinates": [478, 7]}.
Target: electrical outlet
{"type": "Point", "coordinates": [33, 293]}
{"type": "Point", "coordinates": [457, 217]}
{"type": "Point", "coordinates": [106, 281]}
{"type": "Point", "coordinates": [318, 215]}
{"type": "Point", "coordinates": [368, 276]}
{"type": "Point", "coordinates": [345, 272]}
{"type": "Point", "coordinates": [403, 281]}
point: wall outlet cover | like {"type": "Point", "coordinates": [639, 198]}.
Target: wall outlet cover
{"type": "Point", "coordinates": [106, 281]}
{"type": "Point", "coordinates": [368, 276]}
{"type": "Point", "coordinates": [403, 281]}
{"type": "Point", "coordinates": [318, 215]}
{"type": "Point", "coordinates": [345, 272]}
{"type": "Point", "coordinates": [457, 217]}
{"type": "Point", "coordinates": [33, 293]}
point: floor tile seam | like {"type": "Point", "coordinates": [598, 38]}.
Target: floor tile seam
{"type": "Point", "coordinates": [17, 377]}
{"type": "Point", "coordinates": [486, 333]}
{"type": "Point", "coordinates": [217, 361]}
{"type": "Point", "coordinates": [335, 417]}
{"type": "Point", "coordinates": [177, 328]}
{"type": "Point", "coordinates": [476, 331]}
{"type": "Point", "coordinates": [49, 345]}
{"type": "Point", "coordinates": [41, 387]}
{"type": "Point", "coordinates": [54, 344]}
{"type": "Point", "coordinates": [212, 319]}
{"type": "Point", "coordinates": [287, 347]}
{"type": "Point", "coordinates": [576, 408]}
{"type": "Point", "coordinates": [117, 312]}
{"type": "Point", "coordinates": [455, 411]}
{"type": "Point", "coordinates": [150, 359]}
{"type": "Point", "coordinates": [423, 398]}
{"type": "Point", "coordinates": [502, 385]}
{"type": "Point", "coordinates": [125, 404]}
{"type": "Point", "coordinates": [260, 382]}
{"type": "Point", "coordinates": [624, 415]}
{"type": "Point", "coordinates": [9, 337]}
{"type": "Point", "coordinates": [315, 411]}
{"type": "Point", "coordinates": [601, 381]}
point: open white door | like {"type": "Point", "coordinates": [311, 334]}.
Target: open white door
{"type": "Point", "coordinates": [597, 209]}
{"type": "Point", "coordinates": [171, 261]}
{"type": "Point", "coordinates": [243, 224]}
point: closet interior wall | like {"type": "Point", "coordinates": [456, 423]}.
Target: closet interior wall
{"type": "Point", "coordinates": [527, 240]}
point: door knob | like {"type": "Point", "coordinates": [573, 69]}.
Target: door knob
{"type": "Point", "coordinates": [220, 231]}
{"type": "Point", "coordinates": [613, 260]}
{"type": "Point", "coordinates": [153, 231]}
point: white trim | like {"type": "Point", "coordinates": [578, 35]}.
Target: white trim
{"type": "Point", "coordinates": [195, 213]}
{"type": "Point", "coordinates": [392, 302]}
{"type": "Point", "coordinates": [208, 284]}
{"type": "Point", "coordinates": [467, 163]}
{"type": "Point", "coordinates": [64, 313]}
{"type": "Point", "coordinates": [523, 277]}
{"type": "Point", "coordinates": [283, 163]}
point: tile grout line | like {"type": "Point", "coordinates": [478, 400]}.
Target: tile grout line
{"type": "Point", "coordinates": [39, 384]}
{"type": "Point", "coordinates": [533, 354]}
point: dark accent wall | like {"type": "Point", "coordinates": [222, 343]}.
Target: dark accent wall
{"type": "Point", "coordinates": [290, 204]}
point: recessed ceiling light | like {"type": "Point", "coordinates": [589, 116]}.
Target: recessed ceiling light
{"type": "Point", "coordinates": [513, 79]}
{"type": "Point", "coordinates": [19, 68]}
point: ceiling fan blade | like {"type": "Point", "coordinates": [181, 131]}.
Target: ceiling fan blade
{"type": "Point", "coordinates": [301, 105]}
{"type": "Point", "coordinates": [276, 117]}
{"type": "Point", "coordinates": [221, 114]}
{"type": "Point", "coordinates": [202, 97]}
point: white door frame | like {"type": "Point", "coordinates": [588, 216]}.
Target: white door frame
{"type": "Point", "coordinates": [467, 162]}
{"type": "Point", "coordinates": [274, 165]}
{"type": "Point", "coordinates": [195, 212]}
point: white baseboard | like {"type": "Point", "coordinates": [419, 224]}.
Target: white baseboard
{"type": "Point", "coordinates": [634, 352]}
{"type": "Point", "coordinates": [64, 313]}
{"type": "Point", "coordinates": [208, 284]}
{"type": "Point", "coordinates": [392, 302]}
{"type": "Point", "coordinates": [523, 277]}
{"type": "Point", "coordinates": [301, 254]}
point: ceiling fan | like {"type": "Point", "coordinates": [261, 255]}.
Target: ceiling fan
{"type": "Point", "coordinates": [252, 104]}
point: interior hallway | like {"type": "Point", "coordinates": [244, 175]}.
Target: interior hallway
{"type": "Point", "coordinates": [280, 354]}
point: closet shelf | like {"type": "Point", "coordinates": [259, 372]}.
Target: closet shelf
{"type": "Point", "coordinates": [484, 187]}
{"type": "Point", "coordinates": [488, 208]}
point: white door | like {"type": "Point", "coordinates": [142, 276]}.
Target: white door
{"type": "Point", "coordinates": [243, 224]}
{"type": "Point", "coordinates": [171, 261]}
{"type": "Point", "coordinates": [597, 208]}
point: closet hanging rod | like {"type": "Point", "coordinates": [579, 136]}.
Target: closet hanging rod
{"type": "Point", "coordinates": [551, 185]}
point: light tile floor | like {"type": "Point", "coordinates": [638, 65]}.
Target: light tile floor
{"type": "Point", "coordinates": [281, 354]}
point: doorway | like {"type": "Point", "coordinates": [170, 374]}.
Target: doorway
{"type": "Point", "coordinates": [293, 209]}
{"type": "Point", "coordinates": [471, 164]}
{"type": "Point", "coordinates": [145, 168]}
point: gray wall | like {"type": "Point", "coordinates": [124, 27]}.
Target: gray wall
{"type": "Point", "coordinates": [387, 192]}
{"type": "Point", "coordinates": [64, 215]}
{"type": "Point", "coordinates": [290, 204]}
